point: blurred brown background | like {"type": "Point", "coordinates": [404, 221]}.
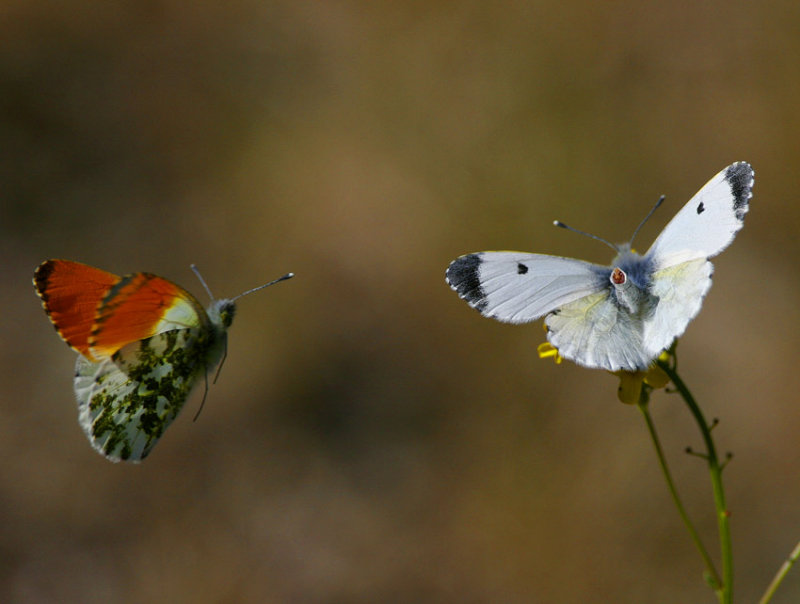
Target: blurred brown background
{"type": "Point", "coordinates": [371, 438]}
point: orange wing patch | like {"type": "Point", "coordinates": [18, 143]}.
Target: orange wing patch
{"type": "Point", "coordinates": [71, 293]}
{"type": "Point", "coordinates": [97, 312]}
{"type": "Point", "coordinates": [139, 306]}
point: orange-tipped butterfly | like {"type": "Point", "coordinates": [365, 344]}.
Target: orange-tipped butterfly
{"type": "Point", "coordinates": [143, 342]}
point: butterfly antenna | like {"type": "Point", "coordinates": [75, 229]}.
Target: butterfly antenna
{"type": "Point", "coordinates": [255, 289]}
{"type": "Point", "coordinates": [646, 218]}
{"type": "Point", "coordinates": [208, 291]}
{"type": "Point", "coordinates": [558, 223]}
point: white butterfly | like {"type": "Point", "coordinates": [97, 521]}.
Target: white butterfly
{"type": "Point", "coordinates": [617, 317]}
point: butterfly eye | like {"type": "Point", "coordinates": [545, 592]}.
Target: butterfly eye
{"type": "Point", "coordinates": [618, 276]}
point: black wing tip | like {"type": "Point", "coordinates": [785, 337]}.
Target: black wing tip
{"type": "Point", "coordinates": [42, 275]}
{"type": "Point", "coordinates": [462, 276]}
{"type": "Point", "coordinates": [741, 177]}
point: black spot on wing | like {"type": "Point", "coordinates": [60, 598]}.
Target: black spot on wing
{"type": "Point", "coordinates": [462, 276]}
{"type": "Point", "coordinates": [521, 268]}
{"type": "Point", "coordinates": [701, 208]}
{"type": "Point", "coordinates": [740, 177]}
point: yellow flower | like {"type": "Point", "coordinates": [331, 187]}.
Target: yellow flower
{"type": "Point", "coordinates": [632, 382]}
{"type": "Point", "coordinates": [546, 350]}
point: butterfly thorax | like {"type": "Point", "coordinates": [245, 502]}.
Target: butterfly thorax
{"type": "Point", "coordinates": [630, 279]}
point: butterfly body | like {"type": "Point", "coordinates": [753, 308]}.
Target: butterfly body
{"type": "Point", "coordinates": [617, 317]}
{"type": "Point", "coordinates": [143, 344]}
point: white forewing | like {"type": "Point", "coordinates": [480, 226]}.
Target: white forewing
{"type": "Point", "coordinates": [707, 224]}
{"type": "Point", "coordinates": [515, 287]}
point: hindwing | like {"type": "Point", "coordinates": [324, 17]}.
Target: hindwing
{"type": "Point", "coordinates": [125, 402]}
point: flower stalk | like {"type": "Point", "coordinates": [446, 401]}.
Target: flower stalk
{"type": "Point", "coordinates": [780, 575]}
{"type": "Point", "coordinates": [634, 389]}
{"type": "Point", "coordinates": [723, 587]}
{"type": "Point", "coordinates": [712, 575]}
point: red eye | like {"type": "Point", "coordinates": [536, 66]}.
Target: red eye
{"type": "Point", "coordinates": [618, 276]}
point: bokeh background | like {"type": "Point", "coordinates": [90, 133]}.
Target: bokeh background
{"type": "Point", "coordinates": [371, 438]}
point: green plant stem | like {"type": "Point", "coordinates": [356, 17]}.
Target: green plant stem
{"type": "Point", "coordinates": [725, 595]}
{"type": "Point", "coordinates": [781, 574]}
{"type": "Point", "coordinates": [662, 461]}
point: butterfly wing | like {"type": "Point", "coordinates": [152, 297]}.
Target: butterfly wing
{"type": "Point", "coordinates": [679, 291]}
{"type": "Point", "coordinates": [681, 275]}
{"type": "Point", "coordinates": [515, 287]}
{"type": "Point", "coordinates": [125, 402]}
{"type": "Point", "coordinates": [97, 313]}
{"type": "Point", "coordinates": [707, 224]}
{"type": "Point", "coordinates": [71, 293]}
{"type": "Point", "coordinates": [139, 306]}
{"type": "Point", "coordinates": [596, 332]}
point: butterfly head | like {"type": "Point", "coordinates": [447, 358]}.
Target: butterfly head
{"type": "Point", "coordinates": [221, 312]}
{"type": "Point", "coordinates": [630, 279]}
